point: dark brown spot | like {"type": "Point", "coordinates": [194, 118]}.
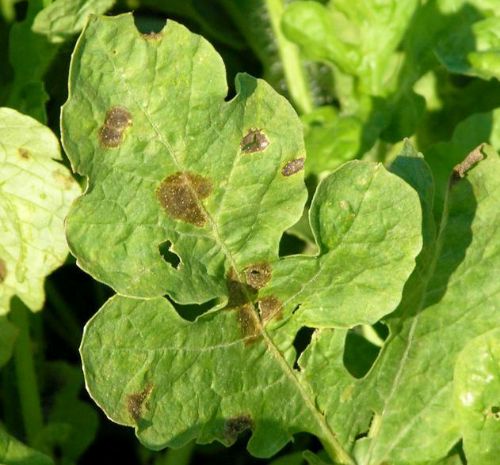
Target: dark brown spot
{"type": "Point", "coordinates": [293, 167]}
{"type": "Point", "coordinates": [152, 36]}
{"type": "Point", "coordinates": [3, 271]}
{"type": "Point", "coordinates": [116, 121]}
{"type": "Point", "coordinates": [237, 291]}
{"type": "Point", "coordinates": [23, 153]}
{"type": "Point", "coordinates": [180, 195]}
{"type": "Point", "coordinates": [258, 275]}
{"type": "Point", "coordinates": [254, 141]}
{"type": "Point", "coordinates": [249, 323]}
{"type": "Point", "coordinates": [460, 170]}
{"type": "Point", "coordinates": [64, 179]}
{"type": "Point", "coordinates": [135, 402]}
{"type": "Point", "coordinates": [270, 307]}
{"type": "Point", "coordinates": [235, 426]}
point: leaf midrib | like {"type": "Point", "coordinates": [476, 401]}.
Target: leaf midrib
{"type": "Point", "coordinates": [333, 446]}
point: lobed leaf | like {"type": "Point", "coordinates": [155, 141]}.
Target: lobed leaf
{"type": "Point", "coordinates": [35, 194]}
{"type": "Point", "coordinates": [168, 159]}
{"type": "Point", "coordinates": [450, 299]}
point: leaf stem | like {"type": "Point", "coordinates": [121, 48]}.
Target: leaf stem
{"type": "Point", "coordinates": [25, 373]}
{"type": "Point", "coordinates": [290, 58]}
{"type": "Point", "coordinates": [180, 456]}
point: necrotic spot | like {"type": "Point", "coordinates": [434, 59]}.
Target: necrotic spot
{"type": "Point", "coordinates": [116, 121]}
{"type": "Point", "coordinates": [249, 324]}
{"type": "Point", "coordinates": [180, 195]}
{"type": "Point", "coordinates": [23, 153]}
{"type": "Point", "coordinates": [270, 307]}
{"type": "Point", "coordinates": [254, 141]}
{"type": "Point", "coordinates": [235, 426]}
{"type": "Point", "coordinates": [3, 271]}
{"type": "Point", "coordinates": [293, 167]}
{"type": "Point", "coordinates": [258, 275]}
{"type": "Point", "coordinates": [135, 402]}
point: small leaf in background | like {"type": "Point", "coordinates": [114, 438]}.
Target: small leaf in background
{"type": "Point", "coordinates": [477, 398]}
{"type": "Point", "coordinates": [30, 55]}
{"type": "Point", "coordinates": [35, 194]}
{"type": "Point", "coordinates": [71, 423]}
{"type": "Point", "coordinates": [63, 19]}
{"type": "Point", "coordinates": [14, 452]}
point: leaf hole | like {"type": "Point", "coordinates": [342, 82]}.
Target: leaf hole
{"type": "Point", "coordinates": [148, 22]}
{"type": "Point", "coordinates": [362, 347]}
{"type": "Point", "coordinates": [494, 412]}
{"type": "Point", "coordinates": [170, 257]}
{"type": "Point", "coordinates": [301, 342]}
{"type": "Point", "coordinates": [190, 312]}
{"type": "Point", "coordinates": [291, 245]}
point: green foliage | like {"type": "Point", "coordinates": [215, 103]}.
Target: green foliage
{"type": "Point", "coordinates": [287, 266]}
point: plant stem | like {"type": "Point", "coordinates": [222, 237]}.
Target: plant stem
{"type": "Point", "coordinates": [180, 456]}
{"type": "Point", "coordinates": [25, 373]}
{"type": "Point", "coordinates": [290, 58]}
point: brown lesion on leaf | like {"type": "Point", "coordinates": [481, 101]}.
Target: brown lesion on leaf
{"type": "Point", "coordinates": [293, 166]}
{"type": "Point", "coordinates": [258, 275]}
{"type": "Point", "coordinates": [135, 402]}
{"type": "Point", "coordinates": [23, 153]}
{"type": "Point", "coordinates": [474, 157]}
{"type": "Point", "coordinates": [233, 427]}
{"type": "Point", "coordinates": [65, 180]}
{"type": "Point", "coordinates": [240, 296]}
{"type": "Point", "coordinates": [270, 307]}
{"type": "Point", "coordinates": [249, 324]}
{"type": "Point", "coordinates": [254, 141]}
{"type": "Point", "coordinates": [116, 121]}
{"type": "Point", "coordinates": [3, 271]}
{"type": "Point", "coordinates": [180, 195]}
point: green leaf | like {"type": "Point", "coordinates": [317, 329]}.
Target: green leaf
{"type": "Point", "coordinates": [469, 134]}
{"type": "Point", "coordinates": [366, 222]}
{"type": "Point", "coordinates": [13, 452]}
{"type": "Point", "coordinates": [8, 334]}
{"type": "Point", "coordinates": [474, 52]}
{"type": "Point", "coordinates": [477, 398]}
{"type": "Point", "coordinates": [71, 423]}
{"type": "Point", "coordinates": [409, 390]}
{"type": "Point", "coordinates": [30, 55]}
{"type": "Point", "coordinates": [220, 181]}
{"type": "Point", "coordinates": [330, 139]}
{"type": "Point", "coordinates": [35, 194]}
{"type": "Point", "coordinates": [229, 154]}
{"type": "Point", "coordinates": [63, 19]}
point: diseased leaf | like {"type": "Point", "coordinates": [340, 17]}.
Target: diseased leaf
{"type": "Point", "coordinates": [477, 398]}
{"type": "Point", "coordinates": [181, 145]}
{"type": "Point", "coordinates": [169, 161]}
{"type": "Point", "coordinates": [35, 194]}
{"type": "Point", "coordinates": [64, 18]}
{"type": "Point", "coordinates": [13, 452]}
{"type": "Point", "coordinates": [450, 298]}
